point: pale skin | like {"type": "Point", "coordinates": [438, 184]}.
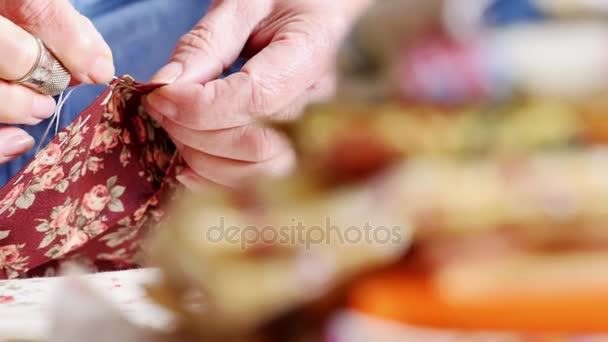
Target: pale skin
{"type": "Point", "coordinates": [292, 44]}
{"type": "Point", "coordinates": [70, 36]}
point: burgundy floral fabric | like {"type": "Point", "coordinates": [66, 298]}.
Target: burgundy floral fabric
{"type": "Point", "coordinates": [91, 193]}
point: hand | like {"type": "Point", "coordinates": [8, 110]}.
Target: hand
{"type": "Point", "coordinates": [73, 40]}
{"type": "Point", "coordinates": [214, 121]}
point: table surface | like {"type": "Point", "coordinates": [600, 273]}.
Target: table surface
{"type": "Point", "coordinates": [25, 304]}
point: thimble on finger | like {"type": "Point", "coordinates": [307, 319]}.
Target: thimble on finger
{"type": "Point", "coordinates": [47, 76]}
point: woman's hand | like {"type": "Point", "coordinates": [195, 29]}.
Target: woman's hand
{"type": "Point", "coordinates": [72, 39]}
{"type": "Point", "coordinates": [213, 121]}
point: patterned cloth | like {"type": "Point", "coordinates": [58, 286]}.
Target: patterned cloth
{"type": "Point", "coordinates": [141, 33]}
{"type": "Point", "coordinates": [90, 192]}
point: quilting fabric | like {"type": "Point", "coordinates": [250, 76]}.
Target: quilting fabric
{"type": "Point", "coordinates": [91, 194]}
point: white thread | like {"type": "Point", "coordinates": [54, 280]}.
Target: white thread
{"type": "Point", "coordinates": [18, 180]}
{"type": "Point", "coordinates": [56, 118]}
{"type": "Point", "coordinates": [63, 142]}
{"type": "Point", "coordinates": [84, 122]}
{"type": "Point", "coordinates": [107, 99]}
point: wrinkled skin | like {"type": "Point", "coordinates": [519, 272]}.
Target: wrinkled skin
{"type": "Point", "coordinates": [73, 40]}
{"type": "Point", "coordinates": [292, 45]}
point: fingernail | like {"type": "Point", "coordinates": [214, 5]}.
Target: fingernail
{"type": "Point", "coordinates": [16, 144]}
{"type": "Point", "coordinates": [43, 107]}
{"type": "Point", "coordinates": [102, 70]}
{"type": "Point", "coordinates": [169, 73]}
{"type": "Point", "coordinates": [161, 105]}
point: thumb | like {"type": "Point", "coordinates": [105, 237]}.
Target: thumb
{"type": "Point", "coordinates": [70, 36]}
{"type": "Point", "coordinates": [215, 42]}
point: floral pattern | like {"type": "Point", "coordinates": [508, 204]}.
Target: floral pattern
{"type": "Point", "coordinates": [92, 193]}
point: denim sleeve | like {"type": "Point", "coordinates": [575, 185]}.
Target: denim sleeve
{"type": "Point", "coordinates": [142, 35]}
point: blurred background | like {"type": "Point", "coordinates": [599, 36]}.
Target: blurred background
{"type": "Point", "coordinates": [454, 189]}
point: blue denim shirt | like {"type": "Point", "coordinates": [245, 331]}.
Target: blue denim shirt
{"type": "Point", "coordinates": [142, 35]}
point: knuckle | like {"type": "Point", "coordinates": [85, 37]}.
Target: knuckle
{"type": "Point", "coordinates": [252, 12]}
{"type": "Point", "coordinates": [318, 38]}
{"type": "Point", "coordinates": [200, 39]}
{"type": "Point", "coordinates": [258, 143]}
{"type": "Point", "coordinates": [262, 97]}
{"type": "Point", "coordinates": [30, 12]}
{"type": "Point", "coordinates": [311, 29]}
{"type": "Point", "coordinates": [89, 41]}
{"type": "Point", "coordinates": [300, 35]}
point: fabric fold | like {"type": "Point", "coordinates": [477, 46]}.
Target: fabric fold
{"type": "Point", "coordinates": [91, 193]}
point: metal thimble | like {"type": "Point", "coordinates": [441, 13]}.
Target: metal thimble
{"type": "Point", "coordinates": [47, 76]}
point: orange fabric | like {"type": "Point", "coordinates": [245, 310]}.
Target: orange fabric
{"type": "Point", "coordinates": [410, 297]}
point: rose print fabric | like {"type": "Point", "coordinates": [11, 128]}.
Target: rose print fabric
{"type": "Point", "coordinates": [90, 194]}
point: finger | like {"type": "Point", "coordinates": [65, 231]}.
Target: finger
{"type": "Point", "coordinates": [191, 95]}
{"type": "Point", "coordinates": [267, 83]}
{"type": "Point", "coordinates": [233, 173]}
{"type": "Point", "coordinates": [215, 42]}
{"type": "Point", "coordinates": [21, 105]}
{"type": "Point", "coordinates": [296, 59]}
{"type": "Point", "coordinates": [195, 183]}
{"type": "Point", "coordinates": [13, 143]}
{"type": "Point", "coordinates": [200, 107]}
{"type": "Point", "coordinates": [70, 36]}
{"type": "Point", "coordinates": [23, 48]}
{"type": "Point", "coordinates": [250, 143]}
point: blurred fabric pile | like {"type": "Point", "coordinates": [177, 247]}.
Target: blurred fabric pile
{"type": "Point", "coordinates": [456, 189]}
